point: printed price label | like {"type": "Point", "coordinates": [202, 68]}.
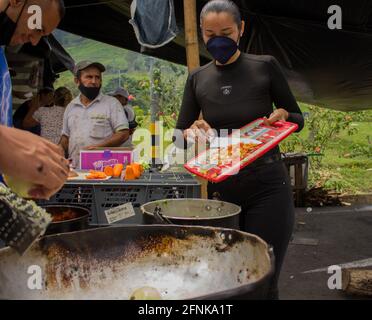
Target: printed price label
{"type": "Point", "coordinates": [119, 213]}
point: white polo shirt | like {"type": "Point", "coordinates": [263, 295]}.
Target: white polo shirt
{"type": "Point", "coordinates": [92, 124]}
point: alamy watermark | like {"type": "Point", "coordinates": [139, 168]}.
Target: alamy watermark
{"type": "Point", "coordinates": [35, 280]}
{"type": "Point", "coordinates": [174, 148]}
{"type": "Point", "coordinates": [335, 280]}
{"type": "Point", "coordinates": [35, 21]}
{"type": "Point", "coordinates": [335, 20]}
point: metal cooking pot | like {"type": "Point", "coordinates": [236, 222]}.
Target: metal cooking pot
{"type": "Point", "coordinates": [80, 222]}
{"type": "Point", "coordinates": [180, 262]}
{"type": "Point", "coordinates": [192, 212]}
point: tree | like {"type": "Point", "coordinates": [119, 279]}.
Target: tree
{"type": "Point", "coordinates": [323, 126]}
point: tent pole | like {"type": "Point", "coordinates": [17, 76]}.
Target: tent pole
{"type": "Point", "coordinates": [191, 34]}
{"type": "Point", "coordinates": [155, 108]}
{"type": "Point", "coordinates": [192, 54]}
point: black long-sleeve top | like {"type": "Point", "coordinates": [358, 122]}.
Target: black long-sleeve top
{"type": "Point", "coordinates": [230, 96]}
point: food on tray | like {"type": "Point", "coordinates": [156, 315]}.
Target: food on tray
{"type": "Point", "coordinates": [225, 158]}
{"type": "Point", "coordinates": [133, 171]}
{"type": "Point", "coordinates": [118, 169]}
{"type": "Point", "coordinates": [232, 153]}
{"type": "Point", "coordinates": [145, 293]}
{"type": "Point", "coordinates": [68, 214]}
{"type": "Point", "coordinates": [18, 186]}
{"type": "Point", "coordinates": [109, 171]}
{"type": "Point", "coordinates": [129, 173]}
{"type": "Point", "coordinates": [96, 175]}
{"type": "Point", "coordinates": [137, 169]}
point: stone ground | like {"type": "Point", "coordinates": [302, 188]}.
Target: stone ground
{"type": "Point", "coordinates": [325, 237]}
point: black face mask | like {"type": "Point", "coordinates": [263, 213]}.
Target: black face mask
{"type": "Point", "coordinates": [222, 48]}
{"type": "Point", "coordinates": [8, 26]}
{"type": "Point", "coordinates": [90, 92]}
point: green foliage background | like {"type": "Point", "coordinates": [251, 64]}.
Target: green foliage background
{"type": "Point", "coordinates": [339, 144]}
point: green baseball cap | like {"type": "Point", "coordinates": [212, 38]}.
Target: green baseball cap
{"type": "Point", "coordinates": [86, 63]}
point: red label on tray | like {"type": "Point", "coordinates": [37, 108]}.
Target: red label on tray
{"type": "Point", "coordinates": [227, 155]}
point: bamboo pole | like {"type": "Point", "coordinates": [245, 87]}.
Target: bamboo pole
{"type": "Point", "coordinates": [192, 54]}
{"type": "Point", "coordinates": [191, 34]}
{"type": "Point", "coordinates": [155, 108]}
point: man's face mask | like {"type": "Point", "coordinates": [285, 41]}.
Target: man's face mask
{"type": "Point", "coordinates": [8, 26]}
{"type": "Point", "coordinates": [90, 92]}
{"type": "Point", "coordinates": [222, 48]}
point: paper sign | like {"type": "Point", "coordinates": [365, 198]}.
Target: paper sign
{"type": "Point", "coordinates": [119, 213]}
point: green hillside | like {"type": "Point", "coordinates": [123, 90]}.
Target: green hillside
{"type": "Point", "coordinates": [339, 143]}
{"type": "Point", "coordinates": [123, 67]}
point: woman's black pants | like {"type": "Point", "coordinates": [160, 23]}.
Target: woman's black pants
{"type": "Point", "coordinates": [265, 196]}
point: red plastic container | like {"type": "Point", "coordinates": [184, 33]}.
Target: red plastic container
{"type": "Point", "coordinates": [227, 156]}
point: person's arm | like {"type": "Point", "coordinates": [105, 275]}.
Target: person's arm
{"type": "Point", "coordinates": [64, 143]}
{"type": "Point", "coordinates": [20, 114]}
{"type": "Point", "coordinates": [133, 125]}
{"type": "Point", "coordinates": [32, 118]}
{"type": "Point", "coordinates": [116, 140]}
{"type": "Point", "coordinates": [34, 160]}
{"type": "Point", "coordinates": [285, 102]}
{"type": "Point", "coordinates": [120, 125]}
{"type": "Point", "coordinates": [188, 123]}
{"type": "Point", "coordinates": [190, 109]}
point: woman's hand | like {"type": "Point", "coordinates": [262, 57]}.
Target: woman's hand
{"type": "Point", "coordinates": [33, 159]}
{"type": "Point", "coordinates": [277, 115]}
{"type": "Point", "coordinates": [200, 131]}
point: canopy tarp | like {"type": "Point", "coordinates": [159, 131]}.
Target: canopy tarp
{"type": "Point", "coordinates": [330, 68]}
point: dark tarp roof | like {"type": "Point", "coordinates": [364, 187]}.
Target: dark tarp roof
{"type": "Point", "coordinates": [330, 68]}
{"type": "Point", "coordinates": [55, 57]}
{"type": "Point", "coordinates": [53, 51]}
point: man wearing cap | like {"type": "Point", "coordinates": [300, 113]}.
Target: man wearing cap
{"type": "Point", "coordinates": [123, 97]}
{"type": "Point", "coordinates": [92, 119]}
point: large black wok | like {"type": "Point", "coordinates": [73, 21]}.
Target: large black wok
{"type": "Point", "coordinates": [110, 263]}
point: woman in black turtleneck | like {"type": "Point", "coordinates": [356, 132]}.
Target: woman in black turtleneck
{"type": "Point", "coordinates": [231, 91]}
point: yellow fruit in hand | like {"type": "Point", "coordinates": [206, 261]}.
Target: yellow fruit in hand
{"type": "Point", "coordinates": [145, 293]}
{"type": "Point", "coordinates": [18, 186]}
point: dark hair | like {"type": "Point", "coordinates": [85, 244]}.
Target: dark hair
{"type": "Point", "coordinates": [45, 90]}
{"type": "Point", "coordinates": [78, 74]}
{"type": "Point", "coordinates": [60, 96]}
{"type": "Point", "coordinates": [219, 6]}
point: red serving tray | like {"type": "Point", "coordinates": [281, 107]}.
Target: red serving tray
{"type": "Point", "coordinates": [266, 137]}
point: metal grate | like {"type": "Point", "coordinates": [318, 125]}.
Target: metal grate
{"type": "Point", "coordinates": [81, 195]}
{"type": "Point", "coordinates": [108, 197]}
{"type": "Point", "coordinates": [98, 197]}
{"type": "Point", "coordinates": [166, 192]}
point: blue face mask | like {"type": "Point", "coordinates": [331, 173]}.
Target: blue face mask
{"type": "Point", "coordinates": [222, 48]}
